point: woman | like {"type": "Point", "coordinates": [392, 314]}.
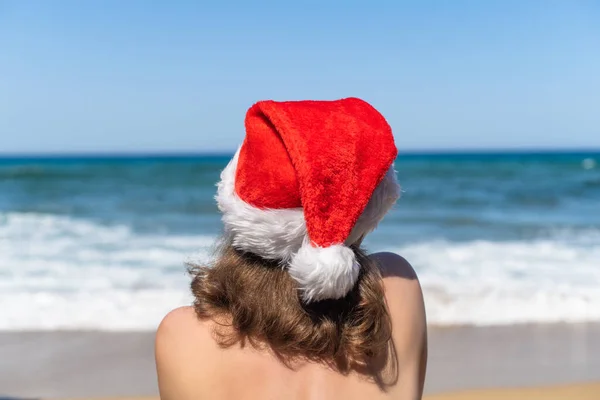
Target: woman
{"type": "Point", "coordinates": [292, 308]}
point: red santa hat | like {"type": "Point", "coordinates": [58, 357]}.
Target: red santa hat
{"type": "Point", "coordinates": [310, 179]}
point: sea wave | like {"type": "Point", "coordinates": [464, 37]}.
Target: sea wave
{"type": "Point", "coordinates": [63, 273]}
{"type": "Point", "coordinates": [59, 272]}
{"type": "Point", "coordinates": [37, 172]}
{"type": "Point", "coordinates": [490, 283]}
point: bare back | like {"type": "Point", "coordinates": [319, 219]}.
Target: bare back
{"type": "Point", "coordinates": [191, 365]}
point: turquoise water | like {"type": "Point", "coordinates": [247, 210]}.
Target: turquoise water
{"type": "Point", "coordinates": [121, 226]}
{"type": "Point", "coordinates": [453, 196]}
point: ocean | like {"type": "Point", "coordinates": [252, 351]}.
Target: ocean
{"type": "Point", "coordinates": [100, 242]}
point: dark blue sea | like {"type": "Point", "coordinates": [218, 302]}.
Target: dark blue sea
{"type": "Point", "coordinates": [100, 242]}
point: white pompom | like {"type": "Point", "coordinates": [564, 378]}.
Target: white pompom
{"type": "Point", "coordinates": [324, 272]}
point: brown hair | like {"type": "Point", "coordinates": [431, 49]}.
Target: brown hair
{"type": "Point", "coordinates": [259, 302]}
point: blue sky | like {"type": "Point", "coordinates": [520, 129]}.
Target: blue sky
{"type": "Point", "coordinates": [138, 76]}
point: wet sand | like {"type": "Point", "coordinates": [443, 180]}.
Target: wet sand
{"type": "Point", "coordinates": [576, 392]}
{"type": "Point", "coordinates": [85, 365]}
{"type": "Point", "coordinates": [590, 391]}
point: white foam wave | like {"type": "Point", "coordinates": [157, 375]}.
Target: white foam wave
{"type": "Point", "coordinates": [488, 283]}
{"type": "Point", "coordinates": [63, 273]}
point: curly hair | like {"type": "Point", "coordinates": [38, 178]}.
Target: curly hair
{"type": "Point", "coordinates": [256, 301]}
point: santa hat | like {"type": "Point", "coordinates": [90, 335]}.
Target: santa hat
{"type": "Point", "coordinates": [310, 179]}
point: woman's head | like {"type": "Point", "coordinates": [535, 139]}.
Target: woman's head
{"type": "Point", "coordinates": [310, 178]}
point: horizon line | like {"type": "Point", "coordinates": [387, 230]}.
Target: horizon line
{"type": "Point", "coordinates": [224, 153]}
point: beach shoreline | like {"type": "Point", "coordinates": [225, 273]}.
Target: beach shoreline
{"type": "Point", "coordinates": [584, 391]}
{"type": "Point", "coordinates": [95, 364]}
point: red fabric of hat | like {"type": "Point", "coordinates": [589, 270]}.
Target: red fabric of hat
{"type": "Point", "coordinates": [321, 158]}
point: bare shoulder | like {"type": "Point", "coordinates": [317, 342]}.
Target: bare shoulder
{"type": "Point", "coordinates": [178, 324]}
{"type": "Point", "coordinates": [393, 265]}
{"type": "Point", "coordinates": [402, 289]}
{"type": "Point", "coordinates": [181, 330]}
{"type": "Point", "coordinates": [405, 303]}
{"type": "Point", "coordinates": [182, 348]}
{"type": "Point", "coordinates": [178, 316]}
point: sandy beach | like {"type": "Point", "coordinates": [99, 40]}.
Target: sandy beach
{"type": "Point", "coordinates": [464, 363]}
{"type": "Point", "coordinates": [578, 392]}
{"type": "Point", "coordinates": [589, 391]}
